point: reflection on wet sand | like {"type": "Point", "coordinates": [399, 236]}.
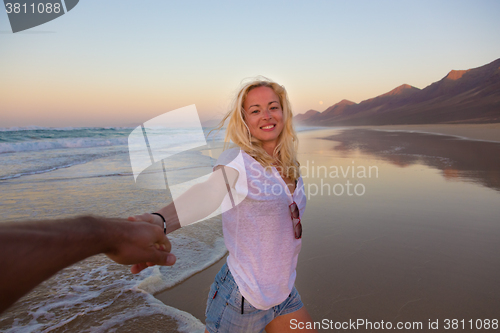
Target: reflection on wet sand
{"type": "Point", "coordinates": [415, 247]}
{"type": "Point", "coordinates": [466, 160]}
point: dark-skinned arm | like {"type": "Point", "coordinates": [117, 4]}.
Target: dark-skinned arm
{"type": "Point", "coordinates": [33, 251]}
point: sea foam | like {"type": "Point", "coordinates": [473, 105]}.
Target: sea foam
{"type": "Point", "coordinates": [97, 295]}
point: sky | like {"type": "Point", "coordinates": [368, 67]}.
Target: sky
{"type": "Point", "coordinates": [122, 62]}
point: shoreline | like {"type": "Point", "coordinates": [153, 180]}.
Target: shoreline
{"type": "Point", "coordinates": [191, 295]}
{"type": "Point", "coordinates": [483, 132]}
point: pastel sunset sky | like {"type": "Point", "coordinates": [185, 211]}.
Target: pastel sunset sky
{"type": "Point", "coordinates": [120, 63]}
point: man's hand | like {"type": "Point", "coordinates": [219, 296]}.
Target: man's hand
{"type": "Point", "coordinates": [33, 251]}
{"type": "Point", "coordinates": [142, 244]}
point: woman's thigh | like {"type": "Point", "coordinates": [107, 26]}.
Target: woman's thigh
{"type": "Point", "coordinates": [224, 308]}
{"type": "Point", "coordinates": [291, 322]}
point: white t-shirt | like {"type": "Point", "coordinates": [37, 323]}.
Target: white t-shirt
{"type": "Point", "coordinates": [258, 231]}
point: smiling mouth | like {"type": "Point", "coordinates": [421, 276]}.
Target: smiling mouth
{"type": "Point", "coordinates": [268, 126]}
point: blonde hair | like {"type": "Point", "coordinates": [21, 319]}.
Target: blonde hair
{"type": "Point", "coordinates": [285, 154]}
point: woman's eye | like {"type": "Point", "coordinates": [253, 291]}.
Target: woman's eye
{"type": "Point", "coordinates": [274, 108]}
{"type": "Point", "coordinates": [255, 111]}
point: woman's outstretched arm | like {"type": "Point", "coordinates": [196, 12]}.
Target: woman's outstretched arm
{"type": "Point", "coordinates": [196, 203]}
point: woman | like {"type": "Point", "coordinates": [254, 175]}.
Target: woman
{"type": "Point", "coordinates": [255, 289]}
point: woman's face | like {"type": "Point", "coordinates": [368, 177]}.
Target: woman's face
{"type": "Point", "coordinates": [264, 116]}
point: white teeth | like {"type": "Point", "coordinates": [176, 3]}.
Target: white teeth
{"type": "Point", "coordinates": [267, 127]}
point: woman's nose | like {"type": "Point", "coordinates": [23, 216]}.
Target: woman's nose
{"type": "Point", "coordinates": [266, 114]}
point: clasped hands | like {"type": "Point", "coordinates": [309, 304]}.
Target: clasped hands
{"type": "Point", "coordinates": [162, 244]}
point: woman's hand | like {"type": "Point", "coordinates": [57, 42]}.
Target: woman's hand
{"type": "Point", "coordinates": [147, 217]}
{"type": "Point", "coordinates": [141, 244]}
{"type": "Point", "coordinates": [168, 212]}
{"type": "Point", "coordinates": [155, 220]}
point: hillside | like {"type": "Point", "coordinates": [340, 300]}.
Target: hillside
{"type": "Point", "coordinates": [462, 96]}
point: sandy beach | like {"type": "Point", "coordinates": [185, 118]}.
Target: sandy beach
{"type": "Point", "coordinates": [489, 132]}
{"type": "Point", "coordinates": [413, 242]}
{"type": "Point", "coordinates": [401, 226]}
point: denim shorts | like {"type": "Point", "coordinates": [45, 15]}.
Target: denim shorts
{"type": "Point", "coordinates": [224, 307]}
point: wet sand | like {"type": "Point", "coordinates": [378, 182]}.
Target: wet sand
{"type": "Point", "coordinates": [419, 245]}
{"type": "Point", "coordinates": [191, 294]}
{"type": "Point", "coordinates": [489, 132]}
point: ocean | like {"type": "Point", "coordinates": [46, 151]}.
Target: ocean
{"type": "Point", "coordinates": [399, 226]}
{"type": "Point", "coordinates": [49, 173]}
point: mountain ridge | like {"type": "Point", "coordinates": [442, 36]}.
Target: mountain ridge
{"type": "Point", "coordinates": [462, 96]}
